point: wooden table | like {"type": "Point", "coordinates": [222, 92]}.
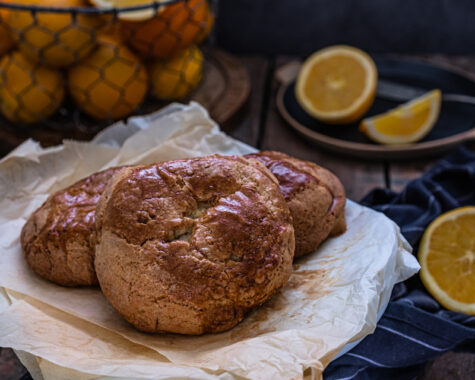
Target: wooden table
{"type": "Point", "coordinates": [261, 126]}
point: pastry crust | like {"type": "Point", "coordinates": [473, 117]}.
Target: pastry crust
{"type": "Point", "coordinates": [315, 196]}
{"type": "Point", "coordinates": [56, 239]}
{"type": "Point", "coordinates": [191, 246]}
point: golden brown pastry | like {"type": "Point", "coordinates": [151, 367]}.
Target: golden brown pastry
{"type": "Point", "coordinates": [56, 239]}
{"type": "Point", "coordinates": [315, 196]}
{"type": "Point", "coordinates": [191, 246]}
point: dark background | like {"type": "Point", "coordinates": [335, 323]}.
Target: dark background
{"type": "Point", "coordinates": [299, 27]}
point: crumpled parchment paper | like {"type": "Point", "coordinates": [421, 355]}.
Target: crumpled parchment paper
{"type": "Point", "coordinates": [332, 298]}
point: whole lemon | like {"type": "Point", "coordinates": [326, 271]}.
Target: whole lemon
{"type": "Point", "coordinates": [206, 30]}
{"type": "Point", "coordinates": [176, 27]}
{"type": "Point", "coordinates": [28, 92]}
{"type": "Point", "coordinates": [54, 39]}
{"type": "Point", "coordinates": [110, 83]}
{"type": "Point", "coordinates": [175, 78]}
{"type": "Point", "coordinates": [6, 40]}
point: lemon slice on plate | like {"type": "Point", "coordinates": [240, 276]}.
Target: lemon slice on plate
{"type": "Point", "coordinates": [406, 123]}
{"type": "Point", "coordinates": [337, 84]}
{"type": "Point", "coordinates": [447, 259]}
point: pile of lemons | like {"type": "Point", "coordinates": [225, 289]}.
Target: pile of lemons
{"type": "Point", "coordinates": [106, 64]}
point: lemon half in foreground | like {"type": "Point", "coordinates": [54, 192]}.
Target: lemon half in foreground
{"type": "Point", "coordinates": [447, 258]}
{"type": "Point", "coordinates": [406, 123]}
{"type": "Point", "coordinates": [337, 84]}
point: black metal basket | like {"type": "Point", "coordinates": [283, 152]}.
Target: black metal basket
{"type": "Point", "coordinates": [78, 68]}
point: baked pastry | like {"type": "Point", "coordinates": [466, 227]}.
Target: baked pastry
{"type": "Point", "coordinates": [56, 239]}
{"type": "Point", "coordinates": [191, 246]}
{"type": "Point", "coordinates": [315, 196]}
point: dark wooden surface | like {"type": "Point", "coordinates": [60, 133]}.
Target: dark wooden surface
{"type": "Point", "coordinates": [260, 125]}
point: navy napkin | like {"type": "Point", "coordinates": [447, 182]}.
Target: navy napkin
{"type": "Point", "coordinates": [414, 327]}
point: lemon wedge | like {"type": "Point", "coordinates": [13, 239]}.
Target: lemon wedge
{"type": "Point", "coordinates": [447, 258]}
{"type": "Point", "coordinates": [406, 123]}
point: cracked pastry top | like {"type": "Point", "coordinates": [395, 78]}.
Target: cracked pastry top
{"type": "Point", "coordinates": [56, 239]}
{"type": "Point", "coordinates": [315, 196]}
{"type": "Point", "coordinates": [191, 246]}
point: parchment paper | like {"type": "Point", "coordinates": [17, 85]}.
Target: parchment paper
{"type": "Point", "coordinates": [332, 298]}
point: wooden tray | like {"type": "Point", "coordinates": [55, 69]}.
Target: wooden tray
{"type": "Point", "coordinates": [456, 123]}
{"type": "Point", "coordinates": [223, 92]}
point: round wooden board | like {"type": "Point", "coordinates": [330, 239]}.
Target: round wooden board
{"type": "Point", "coordinates": [223, 92]}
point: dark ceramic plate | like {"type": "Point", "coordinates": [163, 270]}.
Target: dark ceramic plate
{"type": "Point", "coordinates": [456, 122]}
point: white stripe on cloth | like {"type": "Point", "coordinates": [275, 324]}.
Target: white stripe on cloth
{"type": "Point", "coordinates": [429, 207]}
{"type": "Point", "coordinates": [429, 346]}
{"type": "Point", "coordinates": [407, 300]}
{"type": "Point", "coordinates": [469, 168]}
{"type": "Point", "coordinates": [368, 360]}
{"type": "Point", "coordinates": [465, 197]}
{"type": "Point", "coordinates": [352, 376]}
{"type": "Point", "coordinates": [415, 228]}
{"type": "Point", "coordinates": [426, 213]}
{"type": "Point", "coordinates": [445, 163]}
{"type": "Point", "coordinates": [440, 190]}
{"type": "Point", "coordinates": [385, 207]}
{"type": "Point", "coordinates": [469, 320]}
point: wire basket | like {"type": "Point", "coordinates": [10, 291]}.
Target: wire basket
{"type": "Point", "coordinates": [74, 66]}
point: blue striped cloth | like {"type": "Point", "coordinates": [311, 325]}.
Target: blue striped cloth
{"type": "Point", "coordinates": [414, 327]}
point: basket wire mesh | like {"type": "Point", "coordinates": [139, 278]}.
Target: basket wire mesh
{"type": "Point", "coordinates": [80, 67]}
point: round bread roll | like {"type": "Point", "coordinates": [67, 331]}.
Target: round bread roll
{"type": "Point", "coordinates": [191, 246]}
{"type": "Point", "coordinates": [315, 196]}
{"type": "Point", "coordinates": [56, 239]}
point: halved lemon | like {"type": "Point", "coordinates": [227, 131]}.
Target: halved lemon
{"type": "Point", "coordinates": [139, 15]}
{"type": "Point", "coordinates": [406, 123]}
{"type": "Point", "coordinates": [337, 84]}
{"type": "Point", "coordinates": [447, 258]}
